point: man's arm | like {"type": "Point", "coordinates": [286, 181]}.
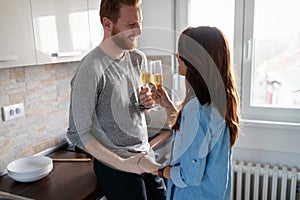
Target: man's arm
{"type": "Point", "coordinates": [83, 102]}
{"type": "Point", "coordinates": [99, 152]}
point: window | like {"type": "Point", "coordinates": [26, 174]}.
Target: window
{"type": "Point", "coordinates": [203, 12]}
{"type": "Point", "coordinates": [276, 54]}
{"type": "Point", "coordinates": [271, 60]}
{"type": "Point", "coordinates": [265, 37]}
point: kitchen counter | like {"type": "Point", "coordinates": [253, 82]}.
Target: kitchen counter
{"type": "Point", "coordinates": [68, 180]}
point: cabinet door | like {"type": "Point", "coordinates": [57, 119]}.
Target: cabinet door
{"type": "Point", "coordinates": [61, 30]}
{"type": "Point", "coordinates": [96, 29]}
{"type": "Point", "coordinates": [16, 41]}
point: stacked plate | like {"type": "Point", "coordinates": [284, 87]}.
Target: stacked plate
{"type": "Point", "coordinates": [30, 168]}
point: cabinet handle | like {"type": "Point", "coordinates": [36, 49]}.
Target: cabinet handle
{"type": "Point", "coordinates": [8, 58]}
{"type": "Point", "coordinates": [66, 54]}
{"type": "Point", "coordinates": [249, 49]}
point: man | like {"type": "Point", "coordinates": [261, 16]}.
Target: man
{"type": "Point", "coordinates": [104, 118]}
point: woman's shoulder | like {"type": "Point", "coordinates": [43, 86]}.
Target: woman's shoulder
{"type": "Point", "coordinates": [191, 112]}
{"type": "Point", "coordinates": [192, 105]}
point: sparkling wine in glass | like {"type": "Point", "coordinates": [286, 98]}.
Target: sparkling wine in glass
{"type": "Point", "coordinates": [156, 73]}
{"type": "Point", "coordinates": [156, 76]}
{"type": "Point", "coordinates": [144, 73]}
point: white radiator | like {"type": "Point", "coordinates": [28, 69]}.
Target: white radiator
{"type": "Point", "coordinates": [264, 182]}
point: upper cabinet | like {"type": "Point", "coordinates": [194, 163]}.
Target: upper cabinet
{"type": "Point", "coordinates": [96, 30]}
{"type": "Point", "coordinates": [47, 31]}
{"type": "Point", "coordinates": [16, 41]}
{"type": "Point", "coordinates": [61, 30]}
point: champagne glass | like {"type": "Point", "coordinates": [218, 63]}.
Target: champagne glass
{"type": "Point", "coordinates": [144, 77]}
{"type": "Point", "coordinates": [156, 76]}
{"type": "Point", "coordinates": [144, 73]}
{"type": "Point", "coordinates": [156, 73]}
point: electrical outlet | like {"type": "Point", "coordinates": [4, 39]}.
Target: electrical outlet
{"type": "Point", "coordinates": [13, 111]}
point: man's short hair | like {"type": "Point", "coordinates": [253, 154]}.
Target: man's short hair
{"type": "Point", "coordinates": [111, 8]}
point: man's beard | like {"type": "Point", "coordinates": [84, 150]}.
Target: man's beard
{"type": "Point", "coordinates": [121, 40]}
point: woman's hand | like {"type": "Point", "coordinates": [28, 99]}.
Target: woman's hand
{"type": "Point", "coordinates": [161, 96]}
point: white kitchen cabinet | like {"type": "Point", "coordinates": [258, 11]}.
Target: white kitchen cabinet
{"type": "Point", "coordinates": [61, 30]}
{"type": "Point", "coordinates": [96, 30]}
{"type": "Point", "coordinates": [16, 34]}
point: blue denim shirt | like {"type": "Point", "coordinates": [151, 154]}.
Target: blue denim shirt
{"type": "Point", "coordinates": [201, 155]}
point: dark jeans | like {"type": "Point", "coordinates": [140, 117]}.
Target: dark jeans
{"type": "Point", "coordinates": [119, 185]}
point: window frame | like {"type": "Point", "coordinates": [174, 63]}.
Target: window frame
{"type": "Point", "coordinates": [268, 113]}
{"type": "Point", "coordinates": [242, 61]}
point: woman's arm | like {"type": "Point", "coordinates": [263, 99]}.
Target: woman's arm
{"type": "Point", "coordinates": [189, 167]}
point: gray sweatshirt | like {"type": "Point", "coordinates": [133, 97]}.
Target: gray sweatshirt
{"type": "Point", "coordinates": [103, 97]}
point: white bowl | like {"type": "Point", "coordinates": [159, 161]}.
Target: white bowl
{"type": "Point", "coordinates": [30, 169]}
{"type": "Point", "coordinates": [32, 174]}
{"type": "Point", "coordinates": [31, 164]}
{"type": "Point", "coordinates": [28, 178]}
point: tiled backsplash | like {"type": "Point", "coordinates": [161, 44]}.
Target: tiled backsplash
{"type": "Point", "coordinates": [45, 92]}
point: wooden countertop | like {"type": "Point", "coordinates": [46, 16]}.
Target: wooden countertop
{"type": "Point", "coordinates": [67, 180]}
{"type": "Point", "coordinates": [161, 137]}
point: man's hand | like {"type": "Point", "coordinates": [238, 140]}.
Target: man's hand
{"type": "Point", "coordinates": [131, 164]}
{"type": "Point", "coordinates": [101, 153]}
{"type": "Point", "coordinates": [145, 97]}
{"type": "Point", "coordinates": [147, 164]}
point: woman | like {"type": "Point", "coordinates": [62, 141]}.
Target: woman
{"type": "Point", "coordinates": [206, 126]}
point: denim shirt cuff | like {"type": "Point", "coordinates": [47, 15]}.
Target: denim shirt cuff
{"type": "Point", "coordinates": [176, 177]}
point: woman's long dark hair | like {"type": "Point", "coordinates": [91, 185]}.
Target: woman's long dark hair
{"type": "Point", "coordinates": [205, 52]}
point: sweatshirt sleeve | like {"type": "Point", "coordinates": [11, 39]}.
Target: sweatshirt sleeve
{"type": "Point", "coordinates": [84, 90]}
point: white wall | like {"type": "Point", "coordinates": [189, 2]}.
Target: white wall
{"type": "Point", "coordinates": [158, 27]}
{"type": "Point", "coordinates": [268, 142]}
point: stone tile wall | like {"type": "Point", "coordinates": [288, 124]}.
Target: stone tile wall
{"type": "Point", "coordinates": [45, 92]}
